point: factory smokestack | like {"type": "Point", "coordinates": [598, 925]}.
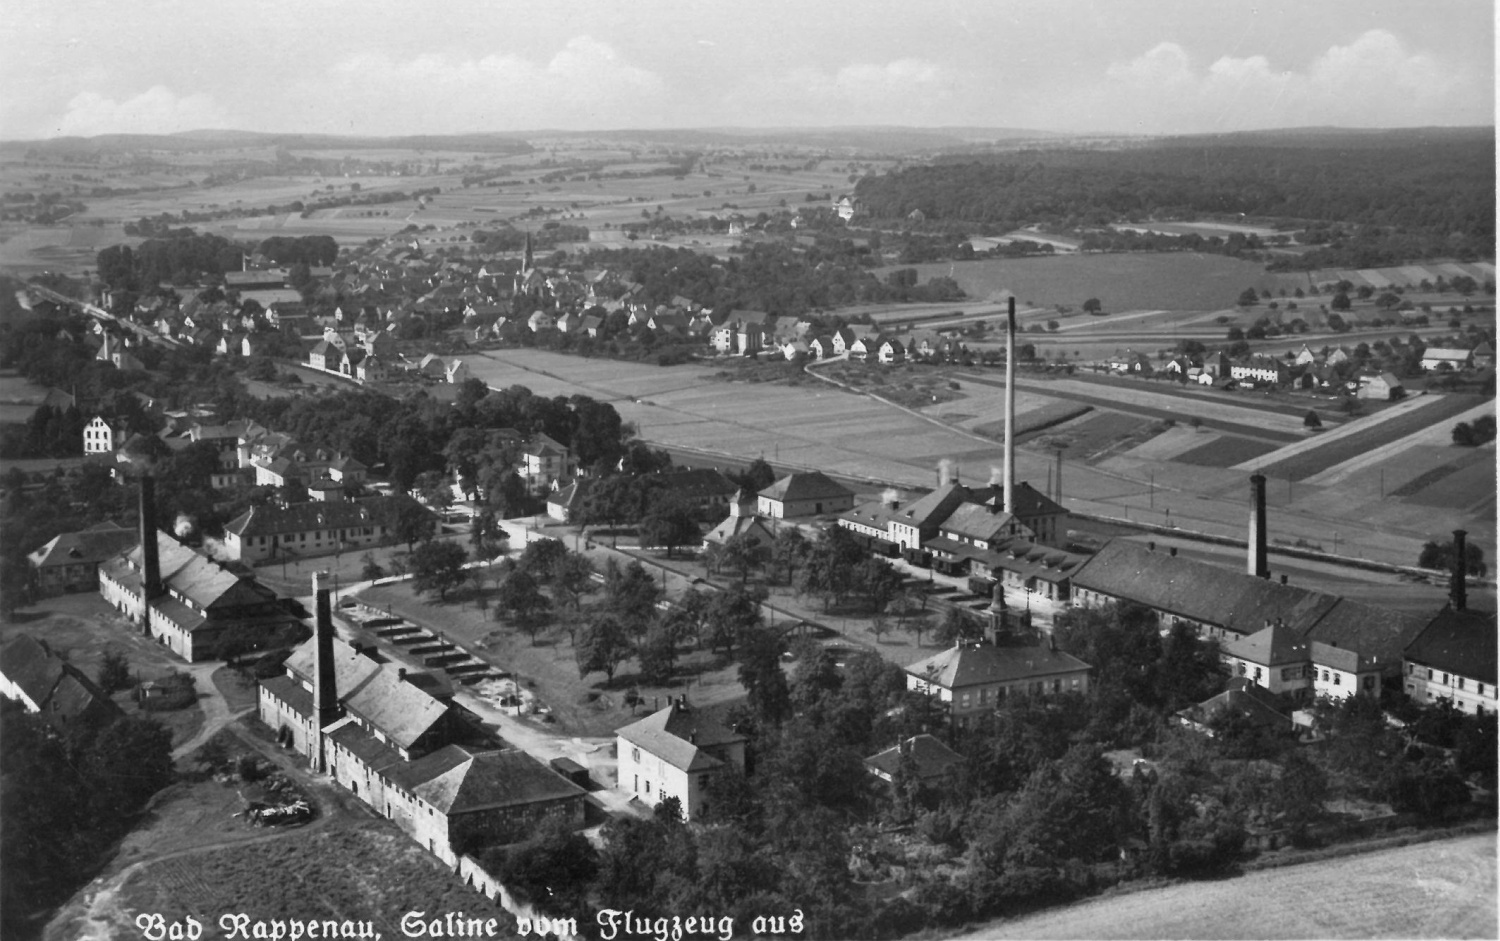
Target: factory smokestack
{"type": "Point", "coordinates": [150, 560]}
{"type": "Point", "coordinates": [325, 690]}
{"type": "Point", "coordinates": [1458, 589]}
{"type": "Point", "coordinates": [1058, 484]}
{"type": "Point", "coordinates": [1010, 406]}
{"type": "Point", "coordinates": [1257, 556]}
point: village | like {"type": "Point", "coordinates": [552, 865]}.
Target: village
{"type": "Point", "coordinates": [420, 720]}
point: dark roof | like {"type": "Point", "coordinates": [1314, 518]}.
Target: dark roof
{"type": "Point", "coordinates": [679, 736]}
{"type": "Point", "coordinates": [374, 692]}
{"type": "Point", "coordinates": [697, 483]}
{"type": "Point", "coordinates": [1461, 642]}
{"type": "Point", "coordinates": [929, 511]}
{"type": "Point", "coordinates": [1254, 702]}
{"type": "Point", "coordinates": [94, 544]}
{"type": "Point", "coordinates": [1378, 633]}
{"type": "Point", "coordinates": [59, 690]}
{"type": "Point", "coordinates": [1236, 601]}
{"type": "Point", "coordinates": [307, 517]}
{"type": "Point", "coordinates": [931, 756]}
{"type": "Point", "coordinates": [1272, 646]}
{"type": "Point", "coordinates": [457, 781]}
{"type": "Point", "coordinates": [812, 485]}
{"type": "Point", "coordinates": [975, 663]}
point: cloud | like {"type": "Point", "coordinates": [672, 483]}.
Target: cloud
{"type": "Point", "coordinates": [896, 92]}
{"type": "Point", "coordinates": [158, 110]}
{"type": "Point", "coordinates": [585, 84]}
{"type": "Point", "coordinates": [1374, 81]}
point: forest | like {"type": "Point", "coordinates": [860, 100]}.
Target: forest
{"type": "Point", "coordinates": [1381, 199]}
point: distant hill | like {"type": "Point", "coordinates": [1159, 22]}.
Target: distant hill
{"type": "Point", "coordinates": [205, 140]}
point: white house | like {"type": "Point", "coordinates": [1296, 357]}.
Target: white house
{"type": "Point", "coordinates": [672, 752]}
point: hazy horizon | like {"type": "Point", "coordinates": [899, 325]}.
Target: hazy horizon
{"type": "Point", "coordinates": [1133, 67]}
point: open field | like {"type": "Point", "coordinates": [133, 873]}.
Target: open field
{"type": "Point", "coordinates": [1213, 409]}
{"type": "Point", "coordinates": [1383, 431]}
{"type": "Point", "coordinates": [1413, 275]}
{"type": "Point", "coordinates": [855, 436]}
{"type": "Point", "coordinates": [1178, 281]}
{"type": "Point", "coordinates": [1440, 889]}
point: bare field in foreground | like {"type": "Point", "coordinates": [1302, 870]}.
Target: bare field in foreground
{"type": "Point", "coordinates": [1441, 889]}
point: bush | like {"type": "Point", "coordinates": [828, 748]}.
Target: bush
{"type": "Point", "coordinates": [249, 769]}
{"type": "Point", "coordinates": [1311, 420]}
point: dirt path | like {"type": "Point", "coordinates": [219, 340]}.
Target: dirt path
{"type": "Point", "coordinates": [1441, 889]}
{"type": "Point", "coordinates": [216, 712]}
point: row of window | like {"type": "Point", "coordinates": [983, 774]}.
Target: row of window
{"type": "Point", "coordinates": [1450, 680]}
{"type": "Point", "coordinates": [1035, 687]}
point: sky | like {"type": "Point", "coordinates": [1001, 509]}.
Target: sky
{"type": "Point", "coordinates": [383, 67]}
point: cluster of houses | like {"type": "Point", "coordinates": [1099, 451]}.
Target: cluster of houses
{"type": "Point", "coordinates": [1329, 371]}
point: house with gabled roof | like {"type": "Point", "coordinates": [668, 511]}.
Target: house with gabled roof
{"type": "Point", "coordinates": [973, 677]}
{"type": "Point", "coordinates": [312, 529]}
{"type": "Point", "coordinates": [1242, 698]}
{"type": "Point", "coordinates": [1453, 658]}
{"type": "Point", "coordinates": [47, 685]}
{"type": "Point", "coordinates": [545, 461]}
{"type": "Point", "coordinates": [804, 493]}
{"type": "Point", "coordinates": [673, 752]}
{"type": "Point", "coordinates": [70, 562]}
{"type": "Point", "coordinates": [924, 756]}
{"type": "Point", "coordinates": [1437, 357]}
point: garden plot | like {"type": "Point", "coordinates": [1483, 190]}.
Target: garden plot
{"type": "Point", "coordinates": [1171, 443]}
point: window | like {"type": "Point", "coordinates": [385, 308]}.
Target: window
{"type": "Point", "coordinates": [1410, 669]}
{"type": "Point", "coordinates": [1369, 682]}
{"type": "Point", "coordinates": [1446, 680]}
{"type": "Point", "coordinates": [635, 754]}
{"type": "Point", "coordinates": [1481, 689]}
{"type": "Point", "coordinates": [1429, 674]}
{"type": "Point", "coordinates": [1337, 678]}
{"type": "Point", "coordinates": [1460, 682]}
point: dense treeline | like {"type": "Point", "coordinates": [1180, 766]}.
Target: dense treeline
{"type": "Point", "coordinates": [1437, 196]}
{"type": "Point", "coordinates": [182, 256]}
{"type": "Point", "coordinates": [304, 249]}
{"type": "Point", "coordinates": [65, 798]}
{"type": "Point", "coordinates": [774, 277]}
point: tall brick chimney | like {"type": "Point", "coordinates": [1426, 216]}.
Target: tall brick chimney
{"type": "Point", "coordinates": [1009, 479]}
{"type": "Point", "coordinates": [1256, 563]}
{"type": "Point", "coordinates": [151, 586]}
{"type": "Point", "coordinates": [1458, 589]}
{"type": "Point", "coordinates": [325, 692]}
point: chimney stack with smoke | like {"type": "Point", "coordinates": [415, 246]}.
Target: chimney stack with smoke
{"type": "Point", "coordinates": [325, 691]}
{"type": "Point", "coordinates": [1458, 589]}
{"type": "Point", "coordinates": [1010, 406]}
{"type": "Point", "coordinates": [890, 497]}
{"type": "Point", "coordinates": [151, 585]}
{"type": "Point", "coordinates": [1257, 556]}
